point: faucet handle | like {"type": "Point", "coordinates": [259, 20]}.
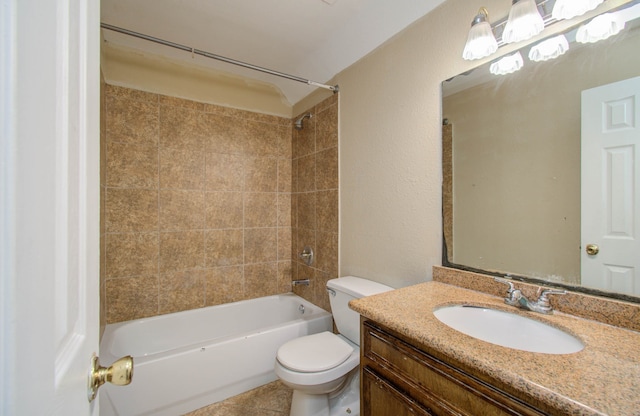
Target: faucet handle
{"type": "Point", "coordinates": [543, 296]}
{"type": "Point", "coordinates": [506, 282]}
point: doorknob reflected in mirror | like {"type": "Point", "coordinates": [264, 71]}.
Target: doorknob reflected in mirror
{"type": "Point", "coordinates": [119, 373]}
{"type": "Point", "coordinates": [592, 249]}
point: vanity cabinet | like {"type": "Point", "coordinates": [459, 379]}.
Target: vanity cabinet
{"type": "Point", "coordinates": [399, 379]}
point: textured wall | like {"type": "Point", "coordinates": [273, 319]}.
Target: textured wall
{"type": "Point", "coordinates": [197, 204]}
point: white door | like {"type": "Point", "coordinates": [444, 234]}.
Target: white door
{"type": "Point", "coordinates": [611, 187]}
{"type": "Point", "coordinates": [50, 203]}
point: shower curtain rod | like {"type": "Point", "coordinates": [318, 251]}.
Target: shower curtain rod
{"type": "Point", "coordinates": [333, 88]}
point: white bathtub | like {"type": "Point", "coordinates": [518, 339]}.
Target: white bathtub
{"type": "Point", "coordinates": [187, 360]}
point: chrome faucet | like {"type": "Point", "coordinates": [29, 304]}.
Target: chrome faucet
{"type": "Point", "coordinates": [516, 298]}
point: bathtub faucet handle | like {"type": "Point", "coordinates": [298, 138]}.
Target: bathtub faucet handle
{"type": "Point", "coordinates": [307, 255]}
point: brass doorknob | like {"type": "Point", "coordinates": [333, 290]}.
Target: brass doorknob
{"type": "Point", "coordinates": [592, 249]}
{"type": "Point", "coordinates": [119, 373]}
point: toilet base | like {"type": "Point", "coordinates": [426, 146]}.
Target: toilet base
{"type": "Point", "coordinates": [309, 404]}
{"type": "Point", "coordinates": [343, 401]}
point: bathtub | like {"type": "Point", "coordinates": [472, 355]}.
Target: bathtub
{"type": "Point", "coordinates": [187, 360]}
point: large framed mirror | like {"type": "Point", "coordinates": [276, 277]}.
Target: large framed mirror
{"type": "Point", "coordinates": [526, 191]}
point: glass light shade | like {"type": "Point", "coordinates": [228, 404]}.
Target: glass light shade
{"type": "Point", "coordinates": [567, 9]}
{"type": "Point", "coordinates": [549, 49]}
{"type": "Point", "coordinates": [601, 27]}
{"type": "Point", "coordinates": [480, 43]}
{"type": "Point", "coordinates": [507, 65]}
{"type": "Point", "coordinates": [524, 22]}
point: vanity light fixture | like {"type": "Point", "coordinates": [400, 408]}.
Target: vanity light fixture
{"type": "Point", "coordinates": [481, 41]}
{"type": "Point", "coordinates": [524, 21]}
{"type": "Point", "coordinates": [600, 28]}
{"type": "Point", "coordinates": [549, 49]}
{"type": "Point", "coordinates": [567, 9]}
{"type": "Point", "coordinates": [507, 64]}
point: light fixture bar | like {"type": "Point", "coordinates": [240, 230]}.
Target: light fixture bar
{"type": "Point", "coordinates": [210, 55]}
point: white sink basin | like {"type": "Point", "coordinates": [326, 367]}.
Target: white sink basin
{"type": "Point", "coordinates": [508, 329]}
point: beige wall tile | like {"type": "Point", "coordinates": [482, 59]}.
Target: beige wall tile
{"type": "Point", "coordinates": [284, 210]}
{"type": "Point", "coordinates": [181, 128]}
{"type": "Point", "coordinates": [261, 209]}
{"type": "Point", "coordinates": [186, 179]}
{"type": "Point", "coordinates": [284, 175]}
{"type": "Point", "coordinates": [137, 95]}
{"type": "Point", "coordinates": [181, 169]}
{"type": "Point", "coordinates": [261, 139]}
{"type": "Point", "coordinates": [224, 210]}
{"type": "Point", "coordinates": [182, 250]}
{"type": "Point", "coordinates": [224, 247]}
{"type": "Point", "coordinates": [285, 149]}
{"type": "Point", "coordinates": [327, 253]}
{"type": "Point", "coordinates": [327, 210]}
{"type": "Point", "coordinates": [131, 166]}
{"type": "Point", "coordinates": [130, 121]}
{"type": "Point", "coordinates": [180, 102]}
{"type": "Point", "coordinates": [304, 141]}
{"type": "Point", "coordinates": [327, 169]}
{"type": "Point", "coordinates": [131, 298]}
{"type": "Point", "coordinates": [261, 279]}
{"type": "Point", "coordinates": [181, 291]}
{"type": "Point", "coordinates": [307, 210]}
{"type": "Point", "coordinates": [224, 172]}
{"type": "Point", "coordinates": [131, 210]}
{"type": "Point", "coordinates": [327, 128]}
{"type": "Point", "coordinates": [224, 285]}
{"type": "Point", "coordinates": [306, 174]}
{"type": "Point", "coordinates": [131, 254]}
{"type": "Point", "coordinates": [224, 134]}
{"type": "Point", "coordinates": [260, 245]}
{"type": "Point", "coordinates": [181, 210]}
{"type": "Point", "coordinates": [284, 243]}
{"type": "Point", "coordinates": [260, 174]}
{"type": "Point", "coordinates": [284, 276]}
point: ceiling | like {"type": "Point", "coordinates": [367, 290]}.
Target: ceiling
{"type": "Point", "coordinates": [311, 39]}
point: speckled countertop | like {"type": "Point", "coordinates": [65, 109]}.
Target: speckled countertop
{"type": "Point", "coordinates": [602, 379]}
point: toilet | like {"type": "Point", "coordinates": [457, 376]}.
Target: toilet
{"type": "Point", "coordinates": [323, 368]}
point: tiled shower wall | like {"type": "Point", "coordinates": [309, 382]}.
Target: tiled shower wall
{"type": "Point", "coordinates": [315, 200]}
{"type": "Point", "coordinates": [197, 204]}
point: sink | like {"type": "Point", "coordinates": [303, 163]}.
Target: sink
{"type": "Point", "coordinates": [508, 329]}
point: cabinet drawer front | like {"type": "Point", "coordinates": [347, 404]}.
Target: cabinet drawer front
{"type": "Point", "coordinates": [384, 399]}
{"type": "Point", "coordinates": [398, 361]}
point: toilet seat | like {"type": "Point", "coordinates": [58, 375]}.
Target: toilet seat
{"type": "Point", "coordinates": [314, 353]}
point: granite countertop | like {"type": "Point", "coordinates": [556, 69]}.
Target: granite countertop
{"type": "Point", "coordinates": [602, 379]}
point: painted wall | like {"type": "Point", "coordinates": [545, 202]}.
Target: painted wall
{"type": "Point", "coordinates": [151, 73]}
{"type": "Point", "coordinates": [390, 148]}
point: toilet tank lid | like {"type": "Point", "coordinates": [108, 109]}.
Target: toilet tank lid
{"type": "Point", "coordinates": [357, 286]}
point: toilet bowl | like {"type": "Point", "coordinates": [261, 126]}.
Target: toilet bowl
{"type": "Point", "coordinates": [323, 369]}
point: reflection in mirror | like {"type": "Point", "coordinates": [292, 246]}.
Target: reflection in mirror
{"type": "Point", "coordinates": [521, 196]}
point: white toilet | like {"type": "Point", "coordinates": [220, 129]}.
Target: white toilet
{"type": "Point", "coordinates": [322, 369]}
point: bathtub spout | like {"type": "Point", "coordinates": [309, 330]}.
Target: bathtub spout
{"type": "Point", "coordinates": [304, 282]}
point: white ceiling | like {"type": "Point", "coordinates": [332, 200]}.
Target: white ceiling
{"type": "Point", "coordinates": [312, 39]}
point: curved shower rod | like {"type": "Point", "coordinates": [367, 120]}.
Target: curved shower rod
{"type": "Point", "coordinates": [333, 88]}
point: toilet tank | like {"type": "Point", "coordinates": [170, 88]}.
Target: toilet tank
{"type": "Point", "coordinates": [341, 291]}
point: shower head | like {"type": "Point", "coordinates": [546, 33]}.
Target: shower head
{"type": "Point", "coordinates": [298, 123]}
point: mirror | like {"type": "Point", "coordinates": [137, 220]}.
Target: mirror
{"type": "Point", "coordinates": [512, 165]}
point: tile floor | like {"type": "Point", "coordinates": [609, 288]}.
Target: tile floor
{"type": "Point", "coordinates": [273, 399]}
